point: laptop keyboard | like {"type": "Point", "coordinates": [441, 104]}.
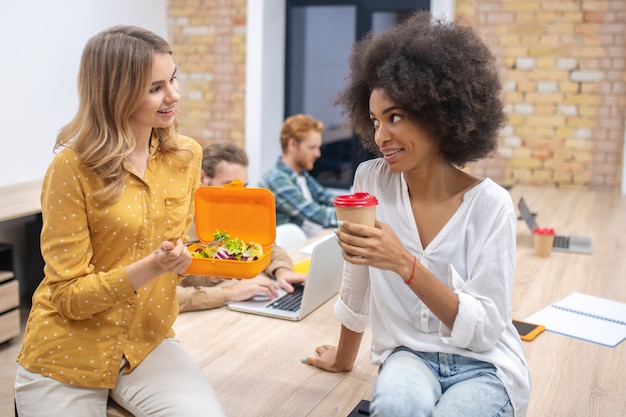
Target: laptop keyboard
{"type": "Point", "coordinates": [289, 301]}
{"type": "Point", "coordinates": [561, 242]}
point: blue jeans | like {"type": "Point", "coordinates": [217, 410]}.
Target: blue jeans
{"type": "Point", "coordinates": [416, 384]}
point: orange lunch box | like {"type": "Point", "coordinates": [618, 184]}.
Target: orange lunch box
{"type": "Point", "coordinates": [248, 214]}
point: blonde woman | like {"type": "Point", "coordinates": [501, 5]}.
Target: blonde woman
{"type": "Point", "coordinates": [116, 203]}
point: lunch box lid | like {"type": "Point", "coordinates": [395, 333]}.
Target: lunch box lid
{"type": "Point", "coordinates": [246, 213]}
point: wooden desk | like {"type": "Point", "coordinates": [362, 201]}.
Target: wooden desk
{"type": "Point", "coordinates": [572, 377]}
{"type": "Point", "coordinates": [20, 200]}
{"type": "Point", "coordinates": [16, 201]}
{"type": "Point", "coordinates": [254, 362]}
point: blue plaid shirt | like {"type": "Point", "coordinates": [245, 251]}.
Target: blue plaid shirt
{"type": "Point", "coordinates": [291, 206]}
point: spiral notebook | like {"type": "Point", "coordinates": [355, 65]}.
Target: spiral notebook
{"type": "Point", "coordinates": [587, 317]}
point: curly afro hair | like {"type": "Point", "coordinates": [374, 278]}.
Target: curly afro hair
{"type": "Point", "coordinates": [441, 74]}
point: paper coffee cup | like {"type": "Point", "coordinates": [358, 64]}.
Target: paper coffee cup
{"type": "Point", "coordinates": [544, 239]}
{"type": "Point", "coordinates": [357, 208]}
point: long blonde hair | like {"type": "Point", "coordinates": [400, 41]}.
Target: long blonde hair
{"type": "Point", "coordinates": [113, 80]}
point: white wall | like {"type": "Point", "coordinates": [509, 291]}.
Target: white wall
{"type": "Point", "coordinates": [42, 41]}
{"type": "Point", "coordinates": [265, 67]}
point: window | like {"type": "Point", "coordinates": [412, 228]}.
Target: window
{"type": "Point", "coordinates": [319, 38]}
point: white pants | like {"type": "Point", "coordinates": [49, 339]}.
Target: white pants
{"type": "Point", "coordinates": [168, 383]}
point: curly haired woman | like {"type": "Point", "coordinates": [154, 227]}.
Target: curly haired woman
{"type": "Point", "coordinates": [434, 277]}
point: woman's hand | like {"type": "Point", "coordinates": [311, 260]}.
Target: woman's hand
{"type": "Point", "coordinates": [169, 257]}
{"type": "Point", "coordinates": [326, 360]}
{"type": "Point", "coordinates": [337, 358]}
{"type": "Point", "coordinates": [377, 246]}
{"type": "Point", "coordinates": [173, 257]}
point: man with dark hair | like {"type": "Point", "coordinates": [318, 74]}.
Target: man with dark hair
{"type": "Point", "coordinates": [221, 164]}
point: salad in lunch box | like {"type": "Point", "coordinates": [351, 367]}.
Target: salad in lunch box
{"type": "Point", "coordinates": [225, 247]}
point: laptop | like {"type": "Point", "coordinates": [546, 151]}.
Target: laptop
{"type": "Point", "coordinates": [562, 243]}
{"type": "Point", "coordinates": [322, 282]}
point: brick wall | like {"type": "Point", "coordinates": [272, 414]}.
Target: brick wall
{"type": "Point", "coordinates": [564, 73]}
{"type": "Point", "coordinates": [563, 67]}
{"type": "Point", "coordinates": [209, 37]}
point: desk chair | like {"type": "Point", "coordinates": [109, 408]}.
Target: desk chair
{"type": "Point", "coordinates": [289, 235]}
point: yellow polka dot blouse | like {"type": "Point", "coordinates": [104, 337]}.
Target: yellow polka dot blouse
{"type": "Point", "coordinates": [85, 315]}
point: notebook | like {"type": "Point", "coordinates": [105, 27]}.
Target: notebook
{"type": "Point", "coordinates": [322, 282]}
{"type": "Point", "coordinates": [587, 317]}
{"type": "Point", "coordinates": [562, 243]}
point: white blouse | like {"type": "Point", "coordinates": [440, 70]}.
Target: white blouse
{"type": "Point", "coordinates": [473, 254]}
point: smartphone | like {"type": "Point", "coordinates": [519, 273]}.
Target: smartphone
{"type": "Point", "coordinates": [528, 331]}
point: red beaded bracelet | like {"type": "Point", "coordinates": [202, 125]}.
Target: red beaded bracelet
{"type": "Point", "coordinates": [410, 280]}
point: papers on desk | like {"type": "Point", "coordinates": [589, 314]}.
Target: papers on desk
{"type": "Point", "coordinates": [308, 249]}
{"type": "Point", "coordinates": [585, 317]}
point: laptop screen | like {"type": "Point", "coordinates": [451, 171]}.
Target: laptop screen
{"type": "Point", "coordinates": [526, 214]}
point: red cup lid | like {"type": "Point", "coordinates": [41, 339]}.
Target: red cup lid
{"type": "Point", "coordinates": [355, 200]}
{"type": "Point", "coordinates": [547, 231]}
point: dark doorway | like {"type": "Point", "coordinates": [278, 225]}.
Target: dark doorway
{"type": "Point", "coordinates": [319, 38]}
